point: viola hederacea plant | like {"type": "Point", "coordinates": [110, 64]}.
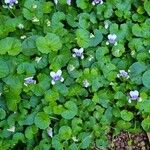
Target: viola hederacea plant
{"type": "Point", "coordinates": [69, 2]}
{"type": "Point", "coordinates": [29, 80]}
{"type": "Point", "coordinates": [78, 52]}
{"type": "Point", "coordinates": [11, 3]}
{"type": "Point", "coordinates": [134, 96]}
{"type": "Point", "coordinates": [95, 2]}
{"type": "Point", "coordinates": [73, 73]}
{"type": "Point", "coordinates": [50, 132]}
{"type": "Point", "coordinates": [56, 76]}
{"type": "Point", "coordinates": [112, 39]}
{"type": "Point", "coordinates": [123, 74]}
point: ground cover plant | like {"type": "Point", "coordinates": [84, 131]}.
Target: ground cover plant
{"type": "Point", "coordinates": [72, 72]}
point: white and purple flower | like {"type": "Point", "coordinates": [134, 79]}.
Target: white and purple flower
{"type": "Point", "coordinates": [92, 35]}
{"type": "Point", "coordinates": [78, 52]}
{"type": "Point", "coordinates": [38, 59]}
{"type": "Point", "coordinates": [86, 83]}
{"type": "Point", "coordinates": [106, 24]}
{"type": "Point", "coordinates": [112, 39]}
{"type": "Point", "coordinates": [56, 76]}
{"type": "Point", "coordinates": [20, 26]}
{"type": "Point", "coordinates": [75, 139]}
{"type": "Point", "coordinates": [11, 129]}
{"type": "Point", "coordinates": [35, 20]}
{"type": "Point", "coordinates": [95, 2]}
{"type": "Point", "coordinates": [70, 68]}
{"type": "Point", "coordinates": [69, 2]}
{"type": "Point", "coordinates": [123, 74]}
{"type": "Point", "coordinates": [134, 95]}
{"type": "Point", "coordinates": [50, 132]}
{"type": "Point", "coordinates": [56, 2]}
{"type": "Point", "coordinates": [11, 3]}
{"type": "Point", "coordinates": [29, 80]}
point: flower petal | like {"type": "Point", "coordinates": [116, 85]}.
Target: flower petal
{"type": "Point", "coordinates": [69, 2]}
{"type": "Point", "coordinates": [129, 100]}
{"type": "Point", "coordinates": [62, 79]}
{"type": "Point", "coordinates": [28, 78]}
{"type": "Point", "coordinates": [52, 74]}
{"type": "Point", "coordinates": [113, 36]}
{"type": "Point", "coordinates": [50, 132]}
{"type": "Point", "coordinates": [133, 93]}
{"type": "Point", "coordinates": [58, 73]}
{"type": "Point", "coordinates": [53, 82]}
{"type": "Point", "coordinates": [56, 2]}
{"type": "Point", "coordinates": [81, 50]}
{"type": "Point", "coordinates": [75, 50]}
{"type": "Point", "coordinates": [74, 55]}
{"type": "Point", "coordinates": [82, 57]}
{"type": "Point", "coordinates": [12, 129]}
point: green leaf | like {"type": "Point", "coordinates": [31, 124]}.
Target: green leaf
{"type": "Point", "coordinates": [29, 11]}
{"type": "Point", "coordinates": [4, 70]}
{"type": "Point", "coordinates": [146, 79]}
{"type": "Point", "coordinates": [118, 50]}
{"type": "Point", "coordinates": [82, 4]}
{"type": "Point", "coordinates": [146, 124]}
{"type": "Point", "coordinates": [19, 137]}
{"type": "Point", "coordinates": [2, 114]}
{"type": "Point", "coordinates": [51, 42]}
{"type": "Point", "coordinates": [27, 68]}
{"type": "Point", "coordinates": [30, 131]}
{"type": "Point", "coordinates": [42, 120]}
{"type": "Point", "coordinates": [14, 82]}
{"type": "Point", "coordinates": [71, 110]}
{"type": "Point", "coordinates": [56, 144]}
{"type": "Point", "coordinates": [147, 6]}
{"type": "Point", "coordinates": [12, 99]}
{"type": "Point", "coordinates": [42, 85]}
{"type": "Point", "coordinates": [29, 119]}
{"type": "Point", "coordinates": [51, 95]}
{"type": "Point", "coordinates": [47, 7]}
{"type": "Point", "coordinates": [65, 132]}
{"type": "Point", "coordinates": [57, 18]}
{"type": "Point", "coordinates": [62, 88]}
{"type": "Point", "coordinates": [137, 68]}
{"type": "Point", "coordinates": [29, 46]}
{"type": "Point", "coordinates": [126, 115]}
{"type": "Point", "coordinates": [94, 41]}
{"type": "Point", "coordinates": [102, 143]}
{"type": "Point", "coordinates": [137, 30]}
{"type": "Point", "coordinates": [84, 20]}
{"type": "Point", "coordinates": [101, 52]}
{"type": "Point", "coordinates": [85, 140]}
{"type": "Point", "coordinates": [123, 124]}
{"type": "Point", "coordinates": [82, 38]}
{"type": "Point", "coordinates": [13, 48]}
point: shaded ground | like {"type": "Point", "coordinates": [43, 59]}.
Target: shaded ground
{"type": "Point", "coordinates": [126, 141]}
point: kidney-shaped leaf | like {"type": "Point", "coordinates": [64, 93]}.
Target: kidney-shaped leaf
{"type": "Point", "coordinates": [42, 120]}
{"type": "Point", "coordinates": [51, 42]}
{"type": "Point", "coordinates": [146, 79]}
{"type": "Point", "coordinates": [71, 110]}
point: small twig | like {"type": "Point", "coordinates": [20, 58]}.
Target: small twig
{"type": "Point", "coordinates": [11, 12]}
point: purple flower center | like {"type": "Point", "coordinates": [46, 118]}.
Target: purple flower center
{"type": "Point", "coordinates": [29, 81]}
{"type": "Point", "coordinates": [12, 2]}
{"type": "Point", "coordinates": [112, 41]}
{"type": "Point", "coordinates": [134, 97]}
{"type": "Point", "coordinates": [124, 74]}
{"type": "Point", "coordinates": [78, 54]}
{"type": "Point", "coordinates": [56, 78]}
{"type": "Point", "coordinates": [97, 1]}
